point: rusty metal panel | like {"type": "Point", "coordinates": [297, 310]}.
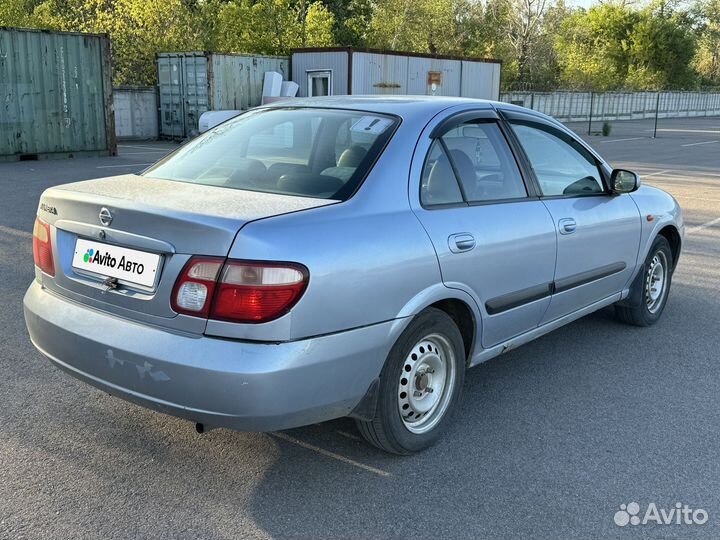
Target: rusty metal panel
{"type": "Point", "coordinates": [196, 90]}
{"type": "Point", "coordinates": [194, 82]}
{"type": "Point", "coordinates": [480, 80]}
{"type": "Point", "coordinates": [172, 116]}
{"type": "Point", "coordinates": [136, 113]}
{"type": "Point", "coordinates": [183, 81]}
{"type": "Point", "coordinates": [55, 94]}
{"type": "Point", "coordinates": [433, 76]}
{"type": "Point", "coordinates": [334, 61]}
{"type": "Point", "coordinates": [375, 73]}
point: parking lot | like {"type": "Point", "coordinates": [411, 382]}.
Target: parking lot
{"type": "Point", "coordinates": [550, 440]}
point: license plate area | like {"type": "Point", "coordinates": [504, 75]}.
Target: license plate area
{"type": "Point", "coordinates": [132, 267]}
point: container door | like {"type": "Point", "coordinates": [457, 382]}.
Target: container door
{"type": "Point", "coordinates": [171, 103]}
{"type": "Point", "coordinates": [195, 78]}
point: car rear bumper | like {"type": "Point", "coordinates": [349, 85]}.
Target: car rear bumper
{"type": "Point", "coordinates": [249, 386]}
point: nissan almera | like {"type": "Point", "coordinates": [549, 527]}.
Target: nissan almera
{"type": "Point", "coordinates": [346, 256]}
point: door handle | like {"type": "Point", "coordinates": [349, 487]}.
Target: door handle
{"type": "Point", "coordinates": [567, 225]}
{"type": "Point", "coordinates": [461, 242]}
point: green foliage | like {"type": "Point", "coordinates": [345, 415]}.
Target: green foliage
{"type": "Point", "coordinates": [614, 46]}
{"type": "Point", "coordinates": [544, 44]}
{"type": "Point", "coordinates": [139, 29]}
{"type": "Point", "coordinates": [662, 49]}
{"type": "Point", "coordinates": [706, 61]}
{"type": "Point", "coordinates": [606, 128]}
{"type": "Point", "coordinates": [416, 25]}
{"type": "Point", "coordinates": [593, 47]}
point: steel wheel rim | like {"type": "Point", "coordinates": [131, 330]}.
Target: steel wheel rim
{"type": "Point", "coordinates": [656, 282]}
{"type": "Point", "coordinates": [427, 378]}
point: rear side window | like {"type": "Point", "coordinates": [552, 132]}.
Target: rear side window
{"type": "Point", "coordinates": [471, 163]}
{"type": "Point", "coordinates": [323, 153]}
{"type": "Point", "coordinates": [439, 185]}
{"type": "Point", "coordinates": [560, 167]}
{"type": "Point", "coordinates": [484, 163]}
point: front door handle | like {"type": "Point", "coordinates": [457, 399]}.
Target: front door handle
{"type": "Point", "coordinates": [461, 242]}
{"type": "Point", "coordinates": [567, 225]}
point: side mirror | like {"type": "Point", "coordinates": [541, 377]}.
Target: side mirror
{"type": "Point", "coordinates": [623, 181]}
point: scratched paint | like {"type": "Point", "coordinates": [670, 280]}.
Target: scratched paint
{"type": "Point", "coordinates": [55, 95]}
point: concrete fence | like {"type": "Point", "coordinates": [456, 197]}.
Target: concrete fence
{"type": "Point", "coordinates": [586, 106]}
{"type": "Point", "coordinates": [136, 113]}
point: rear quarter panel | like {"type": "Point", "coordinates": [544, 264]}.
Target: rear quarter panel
{"type": "Point", "coordinates": [369, 258]}
{"type": "Point", "coordinates": [363, 268]}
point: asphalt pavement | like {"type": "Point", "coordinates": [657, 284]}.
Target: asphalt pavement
{"type": "Point", "coordinates": [550, 441]}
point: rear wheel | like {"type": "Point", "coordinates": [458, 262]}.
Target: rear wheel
{"type": "Point", "coordinates": [649, 291]}
{"type": "Point", "coordinates": [420, 385]}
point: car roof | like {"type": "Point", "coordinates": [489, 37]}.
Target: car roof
{"type": "Point", "coordinates": [406, 106]}
{"type": "Point", "coordinates": [402, 106]}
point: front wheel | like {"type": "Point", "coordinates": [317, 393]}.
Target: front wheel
{"type": "Point", "coordinates": [649, 292]}
{"type": "Point", "coordinates": [420, 385]}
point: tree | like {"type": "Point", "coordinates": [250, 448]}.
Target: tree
{"type": "Point", "coordinates": [351, 21]}
{"type": "Point", "coordinates": [273, 26]}
{"type": "Point", "coordinates": [524, 30]}
{"type": "Point", "coordinates": [543, 43]}
{"type": "Point", "coordinates": [706, 61]}
{"type": "Point", "coordinates": [16, 12]}
{"type": "Point", "coordinates": [416, 25]}
{"type": "Point", "coordinates": [662, 49]}
{"type": "Point", "coordinates": [593, 47]}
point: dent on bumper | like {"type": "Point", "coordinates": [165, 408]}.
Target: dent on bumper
{"type": "Point", "coordinates": [241, 385]}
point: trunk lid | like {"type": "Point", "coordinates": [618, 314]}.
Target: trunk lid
{"type": "Point", "coordinates": [173, 220]}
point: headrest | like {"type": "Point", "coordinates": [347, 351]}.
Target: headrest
{"type": "Point", "coordinates": [352, 157]}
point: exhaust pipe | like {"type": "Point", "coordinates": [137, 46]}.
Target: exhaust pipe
{"type": "Point", "coordinates": [200, 428]}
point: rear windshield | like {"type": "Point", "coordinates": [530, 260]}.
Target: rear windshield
{"type": "Point", "coordinates": [322, 153]}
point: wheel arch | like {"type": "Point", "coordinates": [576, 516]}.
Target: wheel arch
{"type": "Point", "coordinates": [459, 305]}
{"type": "Point", "coordinates": [672, 235]}
{"type": "Point", "coordinates": [463, 316]}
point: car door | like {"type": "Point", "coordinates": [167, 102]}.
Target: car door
{"type": "Point", "coordinates": [598, 233]}
{"type": "Point", "coordinates": [493, 237]}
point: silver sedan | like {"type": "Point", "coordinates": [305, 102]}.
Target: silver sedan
{"type": "Point", "coordinates": [335, 257]}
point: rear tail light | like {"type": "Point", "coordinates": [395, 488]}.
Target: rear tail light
{"type": "Point", "coordinates": [194, 288]}
{"type": "Point", "coordinates": [42, 247]}
{"type": "Point", "coordinates": [238, 291]}
{"type": "Point", "coordinates": [257, 292]}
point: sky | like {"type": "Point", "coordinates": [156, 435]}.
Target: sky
{"type": "Point", "coordinates": [581, 3]}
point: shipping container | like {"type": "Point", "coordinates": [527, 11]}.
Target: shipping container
{"type": "Point", "coordinates": [341, 71]}
{"type": "Point", "coordinates": [194, 82]}
{"type": "Point", "coordinates": [55, 95]}
{"type": "Point", "coordinates": [136, 113]}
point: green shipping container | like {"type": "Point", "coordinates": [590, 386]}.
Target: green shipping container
{"type": "Point", "coordinates": [55, 95]}
{"type": "Point", "coordinates": [194, 82]}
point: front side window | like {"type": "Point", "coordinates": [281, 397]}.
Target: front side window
{"type": "Point", "coordinates": [560, 167]}
{"type": "Point", "coordinates": [323, 153]}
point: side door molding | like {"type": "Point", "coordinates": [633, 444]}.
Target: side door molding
{"type": "Point", "coordinates": [515, 299]}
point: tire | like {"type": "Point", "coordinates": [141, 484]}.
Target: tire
{"type": "Point", "coordinates": [646, 302]}
{"type": "Point", "coordinates": [411, 415]}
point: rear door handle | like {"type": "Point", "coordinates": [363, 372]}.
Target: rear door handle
{"type": "Point", "coordinates": [461, 242]}
{"type": "Point", "coordinates": [567, 225]}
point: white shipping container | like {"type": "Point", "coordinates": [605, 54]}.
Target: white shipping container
{"type": "Point", "coordinates": [342, 71]}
